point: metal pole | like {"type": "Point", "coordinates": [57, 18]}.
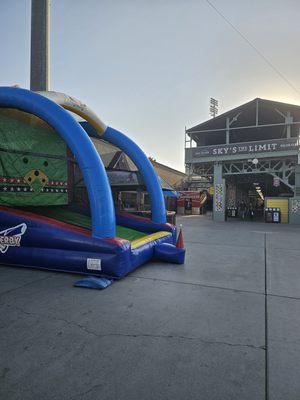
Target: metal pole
{"type": "Point", "coordinates": [40, 43]}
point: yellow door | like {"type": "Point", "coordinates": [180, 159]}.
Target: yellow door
{"type": "Point", "coordinates": [282, 204]}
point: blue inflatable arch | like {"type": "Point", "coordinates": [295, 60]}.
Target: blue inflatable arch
{"type": "Point", "coordinates": [125, 144]}
{"type": "Point", "coordinates": [99, 192]}
{"type": "Point", "coordinates": [146, 169]}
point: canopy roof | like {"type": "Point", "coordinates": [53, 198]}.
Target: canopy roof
{"type": "Point", "coordinates": [257, 113]}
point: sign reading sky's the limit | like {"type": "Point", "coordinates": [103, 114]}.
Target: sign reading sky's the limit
{"type": "Point", "coordinates": [266, 146]}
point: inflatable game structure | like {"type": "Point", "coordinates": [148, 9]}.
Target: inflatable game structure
{"type": "Point", "coordinates": [40, 224]}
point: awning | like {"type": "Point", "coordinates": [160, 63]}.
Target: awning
{"type": "Point", "coordinates": [171, 193]}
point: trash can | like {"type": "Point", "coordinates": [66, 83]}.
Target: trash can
{"type": "Point", "coordinates": [268, 215]}
{"type": "Point", "coordinates": [273, 215]}
{"type": "Point", "coordinates": [232, 212]}
{"type": "Point", "coordinates": [276, 215]}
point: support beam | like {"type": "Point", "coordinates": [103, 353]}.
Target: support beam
{"type": "Point", "coordinates": [40, 54]}
{"type": "Point", "coordinates": [297, 180]}
{"type": "Point", "coordinates": [243, 127]}
{"type": "Point", "coordinates": [227, 131]}
{"type": "Point", "coordinates": [288, 121]}
{"type": "Point", "coordinates": [294, 203]}
{"type": "Point", "coordinates": [256, 112]}
{"type": "Point", "coordinates": [229, 122]}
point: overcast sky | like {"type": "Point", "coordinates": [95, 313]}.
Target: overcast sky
{"type": "Point", "coordinates": [148, 68]}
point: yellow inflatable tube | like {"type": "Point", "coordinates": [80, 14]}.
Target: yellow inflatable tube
{"type": "Point", "coordinates": [77, 107]}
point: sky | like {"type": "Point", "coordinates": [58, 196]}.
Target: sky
{"type": "Point", "coordinates": [149, 68]}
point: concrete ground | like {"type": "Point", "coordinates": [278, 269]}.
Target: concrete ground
{"type": "Point", "coordinates": [224, 326]}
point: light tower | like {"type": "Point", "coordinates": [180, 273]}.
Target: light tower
{"type": "Point", "coordinates": [213, 107]}
{"type": "Point", "coordinates": [40, 45]}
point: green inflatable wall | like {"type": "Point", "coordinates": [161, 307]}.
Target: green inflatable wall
{"type": "Point", "coordinates": [33, 161]}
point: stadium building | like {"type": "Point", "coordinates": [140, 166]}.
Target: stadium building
{"type": "Point", "coordinates": [248, 155]}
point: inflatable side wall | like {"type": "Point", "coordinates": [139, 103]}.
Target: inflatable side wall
{"type": "Point", "coordinates": [34, 241]}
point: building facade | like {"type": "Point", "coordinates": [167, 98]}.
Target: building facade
{"type": "Point", "coordinates": [249, 154]}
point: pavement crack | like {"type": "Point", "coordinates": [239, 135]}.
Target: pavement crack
{"type": "Point", "coordinates": [201, 285]}
{"type": "Point", "coordinates": [180, 337]}
{"type": "Point", "coordinates": [141, 335]}
{"type": "Point", "coordinates": [282, 296]}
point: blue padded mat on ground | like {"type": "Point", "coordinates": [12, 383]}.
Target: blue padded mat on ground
{"type": "Point", "coordinates": [92, 282]}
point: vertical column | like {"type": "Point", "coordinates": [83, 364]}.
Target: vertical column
{"type": "Point", "coordinates": [40, 54]}
{"type": "Point", "coordinates": [227, 130]}
{"type": "Point", "coordinates": [297, 180]}
{"type": "Point", "coordinates": [294, 202]}
{"type": "Point", "coordinates": [288, 121]}
{"type": "Point", "coordinates": [256, 112]}
{"type": "Point", "coordinates": [219, 194]}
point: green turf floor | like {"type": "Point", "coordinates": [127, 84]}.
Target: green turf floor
{"type": "Point", "coordinates": [84, 221]}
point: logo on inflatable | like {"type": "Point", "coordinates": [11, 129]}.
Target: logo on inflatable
{"type": "Point", "coordinates": [11, 237]}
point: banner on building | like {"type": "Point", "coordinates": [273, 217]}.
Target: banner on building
{"type": "Point", "coordinates": [219, 197]}
{"type": "Point", "coordinates": [267, 146]}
